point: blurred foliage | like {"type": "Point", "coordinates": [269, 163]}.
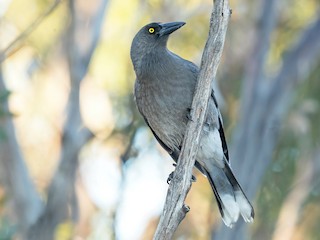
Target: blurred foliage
{"type": "Point", "coordinates": [38, 87]}
{"type": "Point", "coordinates": [298, 140]}
{"type": "Point", "coordinates": [7, 230]}
{"type": "Point", "coordinates": [64, 231]}
{"type": "Point", "coordinates": [4, 95]}
{"type": "Point", "coordinates": [292, 20]}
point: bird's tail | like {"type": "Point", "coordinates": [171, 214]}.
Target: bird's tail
{"type": "Point", "coordinates": [230, 198]}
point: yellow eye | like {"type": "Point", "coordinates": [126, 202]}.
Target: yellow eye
{"type": "Point", "coordinates": [151, 30]}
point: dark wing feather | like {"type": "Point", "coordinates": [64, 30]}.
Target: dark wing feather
{"type": "Point", "coordinates": [173, 153]}
{"type": "Point", "coordinates": [221, 132]}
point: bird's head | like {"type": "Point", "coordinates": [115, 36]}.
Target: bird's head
{"type": "Point", "coordinates": [151, 37]}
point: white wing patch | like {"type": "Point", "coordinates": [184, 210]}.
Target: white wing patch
{"type": "Point", "coordinates": [211, 148]}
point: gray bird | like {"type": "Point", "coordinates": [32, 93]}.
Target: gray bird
{"type": "Point", "coordinates": [163, 91]}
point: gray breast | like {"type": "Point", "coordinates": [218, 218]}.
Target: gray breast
{"type": "Point", "coordinates": [163, 96]}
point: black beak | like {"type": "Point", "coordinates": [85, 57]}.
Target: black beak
{"type": "Point", "coordinates": [167, 28]}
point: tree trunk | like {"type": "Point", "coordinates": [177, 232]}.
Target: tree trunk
{"type": "Point", "coordinates": [24, 202]}
{"type": "Point", "coordinates": [264, 107]}
{"type": "Point", "coordinates": [82, 38]}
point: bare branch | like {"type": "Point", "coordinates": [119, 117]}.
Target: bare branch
{"type": "Point", "coordinates": [274, 106]}
{"type": "Point", "coordinates": [253, 84]}
{"type": "Point", "coordinates": [82, 40]}
{"type": "Point", "coordinates": [254, 146]}
{"type": "Point", "coordinates": [175, 209]}
{"type": "Point", "coordinates": [23, 198]}
{"type": "Point", "coordinates": [16, 44]}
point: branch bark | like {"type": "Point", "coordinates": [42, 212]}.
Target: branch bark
{"type": "Point", "coordinates": [175, 209]}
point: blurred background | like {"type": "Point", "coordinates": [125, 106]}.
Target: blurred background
{"type": "Point", "coordinates": [78, 162]}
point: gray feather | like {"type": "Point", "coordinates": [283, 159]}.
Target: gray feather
{"type": "Point", "coordinates": [163, 92]}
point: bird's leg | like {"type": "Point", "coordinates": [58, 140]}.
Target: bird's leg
{"type": "Point", "coordinates": [170, 177]}
{"type": "Point", "coordinates": [189, 117]}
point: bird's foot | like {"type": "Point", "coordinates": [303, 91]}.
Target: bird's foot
{"type": "Point", "coordinates": [170, 177]}
{"type": "Point", "coordinates": [193, 178]}
{"type": "Point", "coordinates": [189, 117]}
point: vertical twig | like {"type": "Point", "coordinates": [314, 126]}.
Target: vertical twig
{"type": "Point", "coordinates": [175, 209]}
{"type": "Point", "coordinates": [16, 43]}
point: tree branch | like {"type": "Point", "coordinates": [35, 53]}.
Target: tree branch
{"type": "Point", "coordinates": [16, 44]}
{"type": "Point", "coordinates": [254, 72]}
{"type": "Point", "coordinates": [24, 200]}
{"type": "Point", "coordinates": [175, 209]}
{"type": "Point", "coordinates": [254, 147]}
{"type": "Point", "coordinates": [82, 41]}
{"type": "Point", "coordinates": [254, 69]}
{"type": "Point", "coordinates": [273, 107]}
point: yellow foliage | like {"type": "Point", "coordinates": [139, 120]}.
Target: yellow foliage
{"type": "Point", "coordinates": [64, 231]}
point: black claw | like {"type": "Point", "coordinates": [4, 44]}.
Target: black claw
{"type": "Point", "coordinates": [170, 177]}
{"type": "Point", "coordinates": [189, 117]}
{"type": "Point", "coordinates": [193, 179]}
